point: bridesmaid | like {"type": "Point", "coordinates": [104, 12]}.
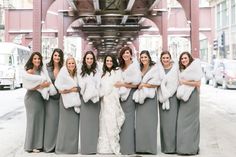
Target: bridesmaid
{"type": "Point", "coordinates": [131, 72]}
{"type": "Point", "coordinates": [168, 107]}
{"type": "Point", "coordinates": [188, 123]}
{"type": "Point", "coordinates": [68, 127]}
{"type": "Point", "coordinates": [52, 105]}
{"type": "Point", "coordinates": [35, 106]}
{"type": "Point", "coordinates": [90, 105]}
{"type": "Point", "coordinates": [146, 113]}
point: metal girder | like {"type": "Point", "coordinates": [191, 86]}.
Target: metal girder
{"type": "Point", "coordinates": [109, 24]}
{"type": "Point", "coordinates": [72, 4]}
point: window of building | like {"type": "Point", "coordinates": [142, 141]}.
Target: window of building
{"type": "Point", "coordinates": [203, 3]}
{"type": "Point", "coordinates": [225, 16]}
{"type": "Point", "coordinates": [218, 17]}
{"type": "Point", "coordinates": [204, 50]}
{"type": "Point", "coordinates": [233, 12]}
{"type": "Point", "coordinates": [173, 4]}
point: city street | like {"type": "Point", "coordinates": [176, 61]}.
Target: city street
{"type": "Point", "coordinates": [217, 116]}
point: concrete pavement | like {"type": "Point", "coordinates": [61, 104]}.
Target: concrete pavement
{"type": "Point", "coordinates": [217, 117]}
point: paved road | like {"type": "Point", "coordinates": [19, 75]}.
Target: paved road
{"type": "Point", "coordinates": [218, 124]}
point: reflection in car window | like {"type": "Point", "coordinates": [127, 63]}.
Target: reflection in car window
{"type": "Point", "coordinates": [230, 65]}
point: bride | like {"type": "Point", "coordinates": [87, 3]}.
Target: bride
{"type": "Point", "coordinates": [111, 116]}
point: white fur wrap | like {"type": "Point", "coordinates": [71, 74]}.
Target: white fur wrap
{"type": "Point", "coordinates": [90, 86]}
{"type": "Point", "coordinates": [151, 77]}
{"type": "Point", "coordinates": [169, 85]}
{"type": "Point", "coordinates": [131, 75]}
{"type": "Point", "coordinates": [192, 73]}
{"type": "Point", "coordinates": [30, 81]}
{"type": "Point", "coordinates": [65, 81]}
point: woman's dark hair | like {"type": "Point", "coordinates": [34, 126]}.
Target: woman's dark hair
{"type": "Point", "coordinates": [61, 55]}
{"type": "Point", "coordinates": [165, 53]}
{"type": "Point", "coordinates": [74, 72]}
{"type": "Point", "coordinates": [29, 64]}
{"type": "Point", "coordinates": [181, 66]}
{"type": "Point", "coordinates": [85, 69]}
{"type": "Point", "coordinates": [122, 51]}
{"type": "Point", "coordinates": [114, 66]}
{"type": "Point", "coordinates": [151, 63]}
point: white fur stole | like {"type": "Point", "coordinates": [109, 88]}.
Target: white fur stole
{"type": "Point", "coordinates": [192, 73]}
{"type": "Point", "coordinates": [30, 81]}
{"type": "Point", "coordinates": [131, 75]}
{"type": "Point", "coordinates": [90, 86]}
{"type": "Point", "coordinates": [169, 85]}
{"type": "Point", "coordinates": [151, 77]}
{"type": "Point", "coordinates": [65, 81]}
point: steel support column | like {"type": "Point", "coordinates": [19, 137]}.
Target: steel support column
{"type": "Point", "coordinates": [164, 31]}
{"type": "Point", "coordinates": [194, 27]}
{"type": "Point", "coordinates": [191, 8]}
{"type": "Point", "coordinates": [37, 25]}
{"type": "Point", "coordinates": [6, 34]}
{"type": "Point", "coordinates": [162, 24]}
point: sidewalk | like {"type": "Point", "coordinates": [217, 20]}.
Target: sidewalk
{"type": "Point", "coordinates": [217, 137]}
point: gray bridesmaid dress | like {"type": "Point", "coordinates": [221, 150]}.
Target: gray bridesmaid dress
{"type": "Point", "coordinates": [127, 134]}
{"type": "Point", "coordinates": [35, 112]}
{"type": "Point", "coordinates": [168, 125]}
{"type": "Point", "coordinates": [89, 126]}
{"type": "Point", "coordinates": [68, 131]}
{"type": "Point", "coordinates": [51, 118]}
{"type": "Point", "coordinates": [188, 125]}
{"type": "Point", "coordinates": [146, 126]}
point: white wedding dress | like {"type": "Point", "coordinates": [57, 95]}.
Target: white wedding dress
{"type": "Point", "coordinates": [111, 116]}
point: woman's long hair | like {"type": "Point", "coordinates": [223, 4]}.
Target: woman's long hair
{"type": "Point", "coordinates": [181, 66]}
{"type": "Point", "coordinates": [29, 64]}
{"type": "Point", "coordinates": [121, 60]}
{"type": "Point", "coordinates": [61, 55]}
{"type": "Point", "coordinates": [151, 63]}
{"type": "Point", "coordinates": [114, 66]}
{"type": "Point", "coordinates": [85, 69]}
{"type": "Point", "coordinates": [74, 72]}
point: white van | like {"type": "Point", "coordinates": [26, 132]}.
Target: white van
{"type": "Point", "coordinates": [12, 61]}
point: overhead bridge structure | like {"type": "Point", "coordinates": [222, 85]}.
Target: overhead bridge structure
{"type": "Point", "coordinates": [105, 25]}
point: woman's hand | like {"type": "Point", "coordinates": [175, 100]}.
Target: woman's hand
{"type": "Point", "coordinates": [182, 82]}
{"type": "Point", "coordinates": [190, 83]}
{"type": "Point", "coordinates": [44, 84]}
{"type": "Point", "coordinates": [119, 84]}
{"type": "Point", "coordinates": [66, 91]}
{"type": "Point", "coordinates": [74, 89]}
{"type": "Point", "coordinates": [141, 85]}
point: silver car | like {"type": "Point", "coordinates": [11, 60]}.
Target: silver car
{"type": "Point", "coordinates": [224, 73]}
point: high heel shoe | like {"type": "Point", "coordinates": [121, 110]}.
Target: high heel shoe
{"type": "Point", "coordinates": [35, 151]}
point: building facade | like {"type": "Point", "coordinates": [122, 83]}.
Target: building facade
{"type": "Point", "coordinates": [225, 28]}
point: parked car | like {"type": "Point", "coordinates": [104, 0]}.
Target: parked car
{"type": "Point", "coordinates": [224, 73]}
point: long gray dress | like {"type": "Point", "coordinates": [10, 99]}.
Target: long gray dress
{"type": "Point", "coordinates": [188, 125]}
{"type": "Point", "coordinates": [168, 125]}
{"type": "Point", "coordinates": [89, 126]}
{"type": "Point", "coordinates": [127, 134]}
{"type": "Point", "coordinates": [68, 131]}
{"type": "Point", "coordinates": [35, 112]}
{"type": "Point", "coordinates": [51, 118]}
{"type": "Point", "coordinates": [146, 126]}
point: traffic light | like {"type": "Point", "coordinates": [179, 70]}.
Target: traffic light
{"type": "Point", "coordinates": [215, 44]}
{"type": "Point", "coordinates": [222, 39]}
